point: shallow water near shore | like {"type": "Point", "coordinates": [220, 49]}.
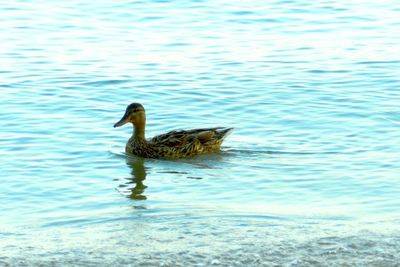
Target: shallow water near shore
{"type": "Point", "coordinates": [310, 176]}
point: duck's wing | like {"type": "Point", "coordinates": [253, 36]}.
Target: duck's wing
{"type": "Point", "coordinates": [181, 137]}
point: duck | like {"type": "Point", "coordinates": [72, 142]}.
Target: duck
{"type": "Point", "coordinates": [173, 144]}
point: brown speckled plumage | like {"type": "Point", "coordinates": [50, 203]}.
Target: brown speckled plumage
{"type": "Point", "coordinates": [174, 144]}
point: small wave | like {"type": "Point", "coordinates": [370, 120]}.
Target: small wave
{"type": "Point", "coordinates": [255, 152]}
{"type": "Point", "coordinates": [378, 62]}
{"type": "Point", "coordinates": [106, 82]}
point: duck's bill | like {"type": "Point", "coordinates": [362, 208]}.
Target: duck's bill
{"type": "Point", "coordinates": [121, 122]}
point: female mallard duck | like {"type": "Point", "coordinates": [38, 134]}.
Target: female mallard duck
{"type": "Point", "coordinates": [174, 144]}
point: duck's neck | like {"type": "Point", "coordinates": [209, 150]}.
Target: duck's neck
{"type": "Point", "coordinates": [138, 132]}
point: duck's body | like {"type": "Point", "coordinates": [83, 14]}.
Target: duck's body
{"type": "Point", "coordinates": [174, 144]}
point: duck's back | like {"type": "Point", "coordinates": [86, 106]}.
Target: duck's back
{"type": "Point", "coordinates": [181, 143]}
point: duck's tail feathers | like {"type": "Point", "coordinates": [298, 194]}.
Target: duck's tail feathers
{"type": "Point", "coordinates": [223, 132]}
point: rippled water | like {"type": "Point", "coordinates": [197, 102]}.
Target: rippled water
{"type": "Point", "coordinates": [309, 177]}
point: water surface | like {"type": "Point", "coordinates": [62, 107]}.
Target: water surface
{"type": "Point", "coordinates": [309, 177]}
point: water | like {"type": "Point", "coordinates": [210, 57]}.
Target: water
{"type": "Point", "coordinates": [309, 177]}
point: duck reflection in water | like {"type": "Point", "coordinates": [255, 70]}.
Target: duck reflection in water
{"type": "Point", "coordinates": [138, 175]}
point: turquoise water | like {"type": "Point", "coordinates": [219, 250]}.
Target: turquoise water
{"type": "Point", "coordinates": [310, 175]}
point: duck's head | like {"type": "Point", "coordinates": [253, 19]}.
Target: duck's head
{"type": "Point", "coordinates": [134, 114]}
